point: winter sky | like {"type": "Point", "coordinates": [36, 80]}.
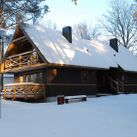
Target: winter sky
{"type": "Point", "coordinates": [64, 12]}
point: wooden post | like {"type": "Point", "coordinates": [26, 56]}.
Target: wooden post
{"type": "Point", "coordinates": [111, 84]}
{"type": "Point", "coordinates": [122, 86]}
{"type": "Point", "coordinates": [14, 97]}
{"type": "Point", "coordinates": [36, 90]}
{"type": "Point", "coordinates": [44, 90]}
{"type": "Point", "coordinates": [31, 59]}
{"type": "Point", "coordinates": [26, 95]}
{"type": "Point", "coordinates": [117, 87]}
{"type": "Point", "coordinates": [1, 56]}
{"type": "Point", "coordinates": [37, 58]}
{"type": "Point", "coordinates": [20, 60]}
{"type": "Point", "coordinates": [10, 64]}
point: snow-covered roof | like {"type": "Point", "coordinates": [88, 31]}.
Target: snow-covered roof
{"type": "Point", "coordinates": [124, 58]}
{"type": "Point", "coordinates": [97, 54]}
{"type": "Point", "coordinates": [56, 49]}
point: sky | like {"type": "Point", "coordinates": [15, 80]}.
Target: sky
{"type": "Point", "coordinates": [64, 12]}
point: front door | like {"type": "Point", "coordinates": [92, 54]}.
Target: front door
{"type": "Point", "coordinates": [103, 82]}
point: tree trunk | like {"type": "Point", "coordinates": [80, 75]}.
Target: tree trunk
{"type": "Point", "coordinates": [1, 55]}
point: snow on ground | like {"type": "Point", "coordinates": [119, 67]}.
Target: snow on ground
{"type": "Point", "coordinates": [110, 116]}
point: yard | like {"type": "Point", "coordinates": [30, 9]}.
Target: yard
{"type": "Point", "coordinates": [109, 116]}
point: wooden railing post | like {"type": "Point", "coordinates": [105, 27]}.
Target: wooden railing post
{"type": "Point", "coordinates": [122, 86]}
{"type": "Point", "coordinates": [44, 90]}
{"type": "Point", "coordinates": [14, 96]}
{"type": "Point", "coordinates": [114, 85]}
{"type": "Point", "coordinates": [35, 91]}
{"type": "Point", "coordinates": [26, 94]}
{"type": "Point", "coordinates": [31, 59]}
{"type": "Point", "coordinates": [37, 57]}
{"type": "Point", "coordinates": [10, 64]}
{"type": "Point", "coordinates": [118, 87]}
{"type": "Point", "coordinates": [111, 84]}
{"type": "Point", "coordinates": [20, 61]}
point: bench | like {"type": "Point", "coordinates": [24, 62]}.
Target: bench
{"type": "Point", "coordinates": [73, 98]}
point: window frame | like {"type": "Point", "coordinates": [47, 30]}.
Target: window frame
{"type": "Point", "coordinates": [84, 76]}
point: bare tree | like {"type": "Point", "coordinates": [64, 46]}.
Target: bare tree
{"type": "Point", "coordinates": [120, 22]}
{"type": "Point", "coordinates": [75, 2]}
{"type": "Point", "coordinates": [85, 31]}
{"type": "Point", "coordinates": [16, 11]}
{"type": "Point", "coordinates": [50, 24]}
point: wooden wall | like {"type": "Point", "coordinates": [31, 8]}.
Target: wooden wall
{"type": "Point", "coordinates": [66, 81]}
{"type": "Point", "coordinates": [130, 82]}
{"type": "Point", "coordinates": [78, 81]}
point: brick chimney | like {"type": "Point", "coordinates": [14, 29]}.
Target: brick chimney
{"type": "Point", "coordinates": [67, 33]}
{"type": "Point", "coordinates": [114, 44]}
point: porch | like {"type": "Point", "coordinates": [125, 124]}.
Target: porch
{"type": "Point", "coordinates": [25, 90]}
{"type": "Point", "coordinates": [25, 60]}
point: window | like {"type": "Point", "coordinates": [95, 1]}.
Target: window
{"type": "Point", "coordinates": [21, 79]}
{"type": "Point", "coordinates": [84, 76]}
{"type": "Point", "coordinates": [124, 78]}
{"type": "Point", "coordinates": [36, 77]}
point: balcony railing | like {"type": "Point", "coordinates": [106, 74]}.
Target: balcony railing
{"type": "Point", "coordinates": [26, 90]}
{"type": "Point", "coordinates": [21, 60]}
{"type": "Point", "coordinates": [116, 86]}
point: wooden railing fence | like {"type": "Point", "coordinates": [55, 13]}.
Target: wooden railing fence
{"type": "Point", "coordinates": [24, 91]}
{"type": "Point", "coordinates": [23, 59]}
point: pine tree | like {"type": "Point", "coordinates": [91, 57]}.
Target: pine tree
{"type": "Point", "coordinates": [13, 12]}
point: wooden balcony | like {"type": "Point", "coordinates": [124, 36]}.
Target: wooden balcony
{"type": "Point", "coordinates": [21, 60]}
{"type": "Point", "coordinates": [25, 91]}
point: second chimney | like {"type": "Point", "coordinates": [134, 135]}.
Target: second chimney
{"type": "Point", "coordinates": [67, 33]}
{"type": "Point", "coordinates": [114, 44]}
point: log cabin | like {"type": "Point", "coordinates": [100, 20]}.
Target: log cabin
{"type": "Point", "coordinates": [47, 63]}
